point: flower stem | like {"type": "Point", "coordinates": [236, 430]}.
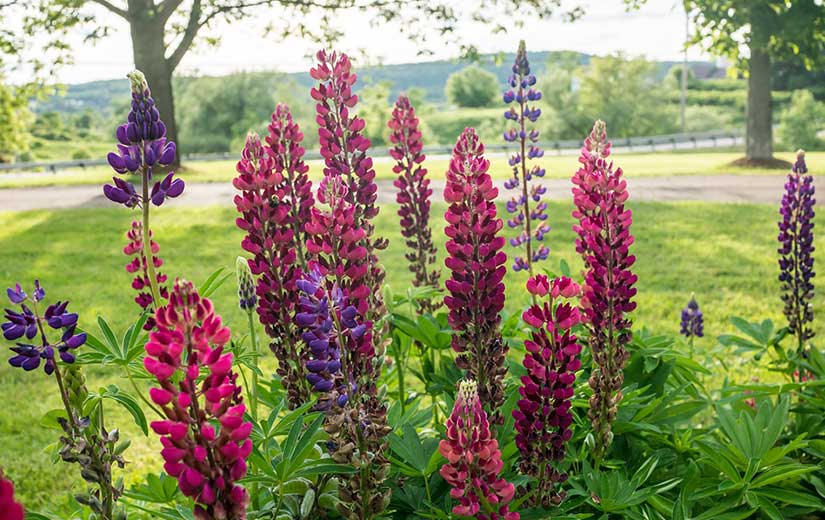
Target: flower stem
{"type": "Point", "coordinates": [253, 391]}
{"type": "Point", "coordinates": [147, 243]}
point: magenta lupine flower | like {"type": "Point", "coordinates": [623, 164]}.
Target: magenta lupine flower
{"type": "Point", "coordinates": [138, 267]}
{"type": "Point", "coordinates": [205, 438]}
{"type": "Point", "coordinates": [604, 241]}
{"type": "Point", "coordinates": [142, 147]}
{"type": "Point", "coordinates": [476, 262]}
{"type": "Point", "coordinates": [274, 202]}
{"type": "Point", "coordinates": [22, 327]}
{"type": "Point", "coordinates": [413, 195]}
{"type": "Point", "coordinates": [344, 149]}
{"type": "Point", "coordinates": [543, 416]}
{"type": "Point", "coordinates": [527, 207]}
{"type": "Point", "coordinates": [474, 461]}
{"type": "Point", "coordinates": [9, 508]}
{"type": "Point", "coordinates": [796, 261]}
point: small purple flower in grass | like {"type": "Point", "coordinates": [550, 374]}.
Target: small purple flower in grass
{"type": "Point", "coordinates": [692, 320]}
{"type": "Point", "coordinates": [28, 322]}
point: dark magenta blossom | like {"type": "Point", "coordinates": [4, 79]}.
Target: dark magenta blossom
{"type": "Point", "coordinates": [9, 508]}
{"type": "Point", "coordinates": [692, 324]}
{"type": "Point", "coordinates": [204, 436]}
{"type": "Point", "coordinates": [474, 462]}
{"type": "Point", "coordinates": [28, 322]}
{"type": "Point", "coordinates": [527, 206]}
{"type": "Point", "coordinates": [138, 266]}
{"type": "Point", "coordinates": [413, 195]}
{"type": "Point", "coordinates": [476, 264]}
{"type": "Point", "coordinates": [543, 414]}
{"type": "Point", "coordinates": [796, 261]}
{"type": "Point", "coordinates": [604, 240]}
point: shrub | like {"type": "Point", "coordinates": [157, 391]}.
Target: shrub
{"type": "Point", "coordinates": [472, 87]}
{"type": "Point", "coordinates": [801, 121]}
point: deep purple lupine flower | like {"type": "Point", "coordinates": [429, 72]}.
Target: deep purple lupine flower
{"type": "Point", "coordinates": [526, 206]}
{"type": "Point", "coordinates": [692, 325]}
{"type": "Point", "coordinates": [543, 416]}
{"type": "Point", "coordinates": [604, 241]}
{"type": "Point", "coordinates": [27, 323]}
{"type": "Point", "coordinates": [413, 195]}
{"type": "Point", "coordinates": [796, 261]}
{"type": "Point", "coordinates": [475, 259]}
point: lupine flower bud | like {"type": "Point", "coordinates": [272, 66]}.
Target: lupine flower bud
{"type": "Point", "coordinates": [138, 267]}
{"type": "Point", "coordinates": [29, 322]}
{"type": "Point", "coordinates": [543, 416]}
{"type": "Point", "coordinates": [9, 508]}
{"type": "Point", "coordinates": [527, 207]}
{"type": "Point", "coordinates": [474, 461]}
{"type": "Point", "coordinates": [692, 325]}
{"type": "Point", "coordinates": [796, 261]}
{"type": "Point", "coordinates": [142, 146]}
{"type": "Point", "coordinates": [275, 200]}
{"type": "Point", "coordinates": [604, 241]}
{"type": "Point", "coordinates": [204, 436]}
{"type": "Point", "coordinates": [475, 259]}
{"type": "Point", "coordinates": [413, 195]}
{"type": "Point", "coordinates": [246, 285]}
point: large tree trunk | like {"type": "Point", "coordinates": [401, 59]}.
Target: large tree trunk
{"type": "Point", "coordinates": [149, 51]}
{"type": "Point", "coordinates": [759, 134]}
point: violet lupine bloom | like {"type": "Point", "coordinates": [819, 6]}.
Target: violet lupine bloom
{"type": "Point", "coordinates": [139, 268]}
{"type": "Point", "coordinates": [527, 206]}
{"type": "Point", "coordinates": [205, 438]}
{"type": "Point", "coordinates": [543, 416]}
{"type": "Point", "coordinates": [274, 201]}
{"type": "Point", "coordinates": [692, 325]}
{"type": "Point", "coordinates": [476, 262]}
{"type": "Point", "coordinates": [413, 195]}
{"type": "Point", "coordinates": [604, 240]}
{"type": "Point", "coordinates": [142, 146]}
{"type": "Point", "coordinates": [344, 149]}
{"type": "Point", "coordinates": [474, 461]}
{"type": "Point", "coordinates": [25, 325]}
{"type": "Point", "coordinates": [796, 261]}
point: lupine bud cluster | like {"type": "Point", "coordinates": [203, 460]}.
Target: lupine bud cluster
{"type": "Point", "coordinates": [543, 417]}
{"type": "Point", "coordinates": [275, 200]}
{"type": "Point", "coordinates": [526, 206]}
{"type": "Point", "coordinates": [204, 436]}
{"type": "Point", "coordinates": [139, 268]}
{"type": "Point", "coordinates": [413, 195]}
{"type": "Point", "coordinates": [474, 462]}
{"type": "Point", "coordinates": [476, 263]}
{"type": "Point", "coordinates": [692, 325]}
{"type": "Point", "coordinates": [247, 299]}
{"type": "Point", "coordinates": [142, 147]}
{"type": "Point", "coordinates": [796, 261]}
{"type": "Point", "coordinates": [9, 508]}
{"type": "Point", "coordinates": [604, 240]}
{"type": "Point", "coordinates": [25, 325]}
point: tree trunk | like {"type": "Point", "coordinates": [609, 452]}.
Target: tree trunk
{"type": "Point", "coordinates": [149, 51]}
{"type": "Point", "coordinates": [759, 134]}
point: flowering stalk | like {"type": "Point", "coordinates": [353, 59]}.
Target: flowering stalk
{"type": "Point", "coordinates": [205, 439]}
{"type": "Point", "coordinates": [247, 301]}
{"type": "Point", "coordinates": [95, 449]}
{"type": "Point", "coordinates": [692, 324]}
{"type": "Point", "coordinates": [275, 200]}
{"type": "Point", "coordinates": [522, 92]}
{"type": "Point", "coordinates": [474, 461]}
{"type": "Point", "coordinates": [796, 262]}
{"type": "Point", "coordinates": [543, 416]}
{"type": "Point", "coordinates": [413, 195]}
{"type": "Point", "coordinates": [344, 149]}
{"type": "Point", "coordinates": [475, 259]}
{"type": "Point", "coordinates": [143, 147]}
{"type": "Point", "coordinates": [599, 194]}
{"type": "Point", "coordinates": [9, 508]}
{"type": "Point", "coordinates": [139, 265]}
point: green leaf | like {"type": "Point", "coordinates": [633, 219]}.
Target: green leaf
{"type": "Point", "coordinates": [130, 404]}
{"type": "Point", "coordinates": [791, 497]}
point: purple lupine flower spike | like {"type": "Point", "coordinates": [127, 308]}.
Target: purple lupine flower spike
{"type": "Point", "coordinates": [692, 325]}
{"type": "Point", "coordinates": [796, 261]}
{"type": "Point", "coordinates": [530, 223]}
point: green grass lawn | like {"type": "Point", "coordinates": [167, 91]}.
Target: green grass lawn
{"type": "Point", "coordinates": [723, 253]}
{"type": "Point", "coordinates": [634, 165]}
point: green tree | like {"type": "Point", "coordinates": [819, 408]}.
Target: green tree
{"type": "Point", "coordinates": [15, 118]}
{"type": "Point", "coordinates": [801, 121]}
{"type": "Point", "coordinates": [472, 87]}
{"type": "Point", "coordinates": [374, 107]}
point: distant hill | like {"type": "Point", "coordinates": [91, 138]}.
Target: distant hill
{"type": "Point", "coordinates": [431, 76]}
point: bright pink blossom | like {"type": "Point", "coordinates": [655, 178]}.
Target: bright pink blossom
{"type": "Point", "coordinates": [9, 508]}
{"type": "Point", "coordinates": [138, 267]}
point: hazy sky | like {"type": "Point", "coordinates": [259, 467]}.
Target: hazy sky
{"type": "Point", "coordinates": [657, 31]}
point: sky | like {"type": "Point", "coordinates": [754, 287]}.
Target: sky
{"type": "Point", "coordinates": [657, 32]}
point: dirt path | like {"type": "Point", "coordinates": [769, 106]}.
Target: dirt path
{"type": "Point", "coordinates": [715, 188]}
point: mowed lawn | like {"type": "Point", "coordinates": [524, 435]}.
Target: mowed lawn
{"type": "Point", "coordinates": [557, 166]}
{"type": "Point", "coordinates": [726, 254]}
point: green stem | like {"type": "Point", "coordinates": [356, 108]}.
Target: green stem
{"type": "Point", "coordinates": [147, 243]}
{"type": "Point", "coordinates": [143, 397]}
{"type": "Point", "coordinates": [253, 394]}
